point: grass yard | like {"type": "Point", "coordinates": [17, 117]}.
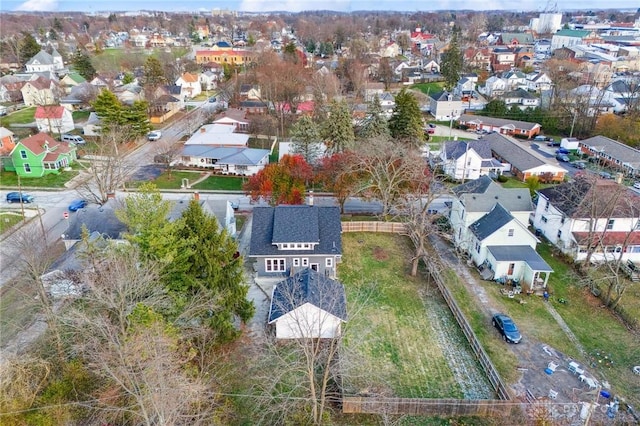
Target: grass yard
{"type": "Point", "coordinates": [396, 324]}
{"type": "Point", "coordinates": [10, 179]}
{"type": "Point", "coordinates": [429, 88]}
{"type": "Point", "coordinates": [164, 181]}
{"type": "Point", "coordinates": [438, 139]}
{"type": "Point", "coordinates": [259, 143]}
{"type": "Point", "coordinates": [221, 183]}
{"type": "Point", "coordinates": [515, 183]}
{"type": "Point", "coordinates": [8, 219]}
{"type": "Point", "coordinates": [80, 115]}
{"type": "Point", "coordinates": [23, 116]}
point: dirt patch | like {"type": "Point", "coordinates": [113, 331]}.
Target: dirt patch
{"type": "Point", "coordinates": [380, 254]}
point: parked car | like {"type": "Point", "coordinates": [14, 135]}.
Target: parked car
{"type": "Point", "coordinates": [579, 165]}
{"type": "Point", "coordinates": [507, 328]}
{"type": "Point", "coordinates": [605, 175]}
{"type": "Point", "coordinates": [430, 129]}
{"type": "Point", "coordinates": [636, 185]}
{"type": "Point", "coordinates": [154, 136]}
{"type": "Point", "coordinates": [212, 100]}
{"type": "Point", "coordinates": [17, 197]}
{"type": "Point", "coordinates": [562, 151]}
{"type": "Point", "coordinates": [78, 140]}
{"type": "Point", "coordinates": [564, 158]}
{"type": "Point", "coordinates": [552, 142]}
{"type": "Point", "coordinates": [77, 205]}
{"type": "Point", "coordinates": [540, 138]}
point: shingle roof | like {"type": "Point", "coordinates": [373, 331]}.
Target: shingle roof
{"type": "Point", "coordinates": [478, 186]}
{"type": "Point", "coordinates": [520, 253]}
{"type": "Point", "coordinates": [36, 144]}
{"type": "Point", "coordinates": [227, 155]}
{"type": "Point", "coordinates": [49, 111]}
{"type": "Point", "coordinates": [482, 194]}
{"type": "Point", "coordinates": [615, 149]}
{"type": "Point", "coordinates": [308, 286]}
{"type": "Point", "coordinates": [513, 153]}
{"type": "Point", "coordinates": [490, 222]}
{"type": "Point", "coordinates": [95, 218]}
{"type": "Point", "coordinates": [189, 78]}
{"type": "Point", "coordinates": [267, 227]}
{"type": "Point", "coordinates": [498, 122]}
{"type": "Point", "coordinates": [456, 149]}
{"type": "Point", "coordinates": [42, 57]}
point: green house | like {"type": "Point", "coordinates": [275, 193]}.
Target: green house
{"type": "Point", "coordinates": [40, 155]}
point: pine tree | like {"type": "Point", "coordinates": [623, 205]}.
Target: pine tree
{"type": "Point", "coordinates": [374, 124]}
{"type": "Point", "coordinates": [451, 65]}
{"type": "Point", "coordinates": [305, 135]}
{"type": "Point", "coordinates": [406, 122]}
{"type": "Point", "coordinates": [82, 64]}
{"type": "Point", "coordinates": [338, 128]}
{"type": "Point", "coordinates": [108, 108]}
{"type": "Point", "coordinates": [28, 48]}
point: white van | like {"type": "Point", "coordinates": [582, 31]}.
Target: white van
{"type": "Point", "coordinates": [73, 139]}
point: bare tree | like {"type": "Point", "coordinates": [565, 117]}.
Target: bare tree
{"type": "Point", "coordinates": [167, 152]}
{"type": "Point", "coordinates": [21, 381]}
{"type": "Point", "coordinates": [109, 169]}
{"type": "Point", "coordinates": [119, 332]}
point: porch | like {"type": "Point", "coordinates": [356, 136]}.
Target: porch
{"type": "Point", "coordinates": [519, 266]}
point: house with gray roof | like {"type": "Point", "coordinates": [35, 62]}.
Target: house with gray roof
{"type": "Point", "coordinates": [286, 239]}
{"type": "Point", "coordinates": [445, 106]}
{"type": "Point", "coordinates": [613, 154]}
{"type": "Point", "coordinates": [522, 129]}
{"type": "Point", "coordinates": [521, 161]}
{"type": "Point", "coordinates": [98, 220]}
{"type": "Point", "coordinates": [226, 160]}
{"type": "Point", "coordinates": [308, 305]}
{"type": "Point", "coordinates": [44, 61]}
{"type": "Point", "coordinates": [468, 160]}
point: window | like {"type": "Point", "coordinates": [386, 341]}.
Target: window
{"type": "Point", "coordinates": [23, 154]}
{"type": "Point", "coordinates": [305, 261]}
{"type": "Point", "coordinates": [610, 223]}
{"type": "Point", "coordinates": [296, 261]}
{"type": "Point", "coordinates": [562, 220]}
{"type": "Point", "coordinates": [510, 232]}
{"type": "Point", "coordinates": [328, 262]}
{"type": "Point", "coordinates": [27, 168]}
{"type": "Point", "coordinates": [544, 219]}
{"type": "Point", "coordinates": [477, 247]}
{"type": "Point", "coordinates": [546, 206]}
{"type": "Point", "coordinates": [559, 234]}
{"type": "Point", "coordinates": [285, 245]}
{"type": "Point", "coordinates": [275, 265]}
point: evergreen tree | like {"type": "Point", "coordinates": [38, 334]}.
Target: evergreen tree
{"type": "Point", "coordinates": [153, 75]}
{"type": "Point", "coordinates": [82, 64]}
{"type": "Point", "coordinates": [213, 267]}
{"type": "Point", "coordinates": [28, 48]}
{"type": "Point", "coordinates": [57, 25]}
{"type": "Point", "coordinates": [406, 122]}
{"type": "Point", "coordinates": [135, 119]}
{"type": "Point", "coordinates": [374, 124]}
{"type": "Point", "coordinates": [305, 135]}
{"type": "Point", "coordinates": [338, 128]}
{"type": "Point", "coordinates": [108, 108]}
{"type": "Point", "coordinates": [451, 65]}
{"type": "Point", "coordinates": [495, 108]}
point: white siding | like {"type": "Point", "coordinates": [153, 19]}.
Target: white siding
{"type": "Point", "coordinates": [307, 321]}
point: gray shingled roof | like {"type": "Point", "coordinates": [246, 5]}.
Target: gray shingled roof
{"type": "Point", "coordinates": [308, 286]}
{"type": "Point", "coordinates": [482, 194]}
{"type": "Point", "coordinates": [520, 254]}
{"type": "Point", "coordinates": [615, 149]}
{"type": "Point", "coordinates": [513, 153]}
{"type": "Point", "coordinates": [490, 222]}
{"type": "Point", "coordinates": [295, 224]}
{"type": "Point", "coordinates": [42, 57]}
{"type": "Point", "coordinates": [95, 218]}
{"type": "Point", "coordinates": [226, 155]}
{"type": "Point", "coordinates": [456, 149]}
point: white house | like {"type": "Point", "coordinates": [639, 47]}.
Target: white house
{"type": "Point", "coordinates": [218, 134]}
{"type": "Point", "coordinates": [494, 86]}
{"type": "Point", "coordinates": [591, 215]}
{"type": "Point", "coordinates": [485, 217]}
{"type": "Point", "coordinates": [308, 305]}
{"type": "Point", "coordinates": [93, 125]}
{"type": "Point", "coordinates": [468, 160]}
{"type": "Point", "coordinates": [225, 159]}
{"type": "Point", "coordinates": [53, 119]}
{"type": "Point", "coordinates": [520, 98]}
{"type": "Point", "coordinates": [190, 84]}
{"type": "Point", "coordinates": [445, 106]}
{"type": "Point", "coordinates": [44, 61]}
{"type": "Point", "coordinates": [539, 82]}
{"type": "Point", "coordinates": [209, 80]}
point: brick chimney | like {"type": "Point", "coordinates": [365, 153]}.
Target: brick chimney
{"type": "Point", "coordinates": [203, 129]}
{"type": "Point", "coordinates": [310, 202]}
{"type": "Point", "coordinates": [196, 195]}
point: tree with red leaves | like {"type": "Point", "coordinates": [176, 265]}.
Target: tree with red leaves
{"type": "Point", "coordinates": [337, 175]}
{"type": "Point", "coordinates": [281, 183]}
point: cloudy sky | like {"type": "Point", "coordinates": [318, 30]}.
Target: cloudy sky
{"type": "Point", "coordinates": [298, 5]}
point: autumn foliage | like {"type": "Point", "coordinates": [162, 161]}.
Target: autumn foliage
{"type": "Point", "coordinates": [281, 183]}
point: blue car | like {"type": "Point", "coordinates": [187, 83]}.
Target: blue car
{"type": "Point", "coordinates": [77, 205]}
{"type": "Point", "coordinates": [17, 197]}
{"type": "Point", "coordinates": [507, 328]}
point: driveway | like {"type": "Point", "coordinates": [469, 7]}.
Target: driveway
{"type": "Point", "coordinates": [442, 130]}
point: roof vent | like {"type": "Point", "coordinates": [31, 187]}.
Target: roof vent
{"type": "Point", "coordinates": [519, 197]}
{"type": "Point", "coordinates": [496, 197]}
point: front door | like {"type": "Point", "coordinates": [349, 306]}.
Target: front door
{"type": "Point", "coordinates": [511, 268]}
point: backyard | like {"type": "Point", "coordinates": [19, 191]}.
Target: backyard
{"type": "Point", "coordinates": [174, 179]}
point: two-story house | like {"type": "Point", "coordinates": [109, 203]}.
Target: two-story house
{"type": "Point", "coordinates": [489, 223]}
{"type": "Point", "coordinates": [286, 239]}
{"type": "Point", "coordinates": [591, 217]}
{"type": "Point", "coordinates": [539, 82]}
{"type": "Point", "coordinates": [7, 141]}
{"type": "Point", "coordinates": [468, 160]}
{"type": "Point", "coordinates": [54, 119]}
{"type": "Point", "coordinates": [44, 61]}
{"type": "Point", "coordinates": [40, 155]}
{"type": "Point", "coordinates": [40, 91]}
{"type": "Point", "coordinates": [445, 106]}
{"type": "Point", "coordinates": [190, 84]}
{"type": "Point", "coordinates": [520, 98]}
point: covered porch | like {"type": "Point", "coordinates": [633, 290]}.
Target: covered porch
{"type": "Point", "coordinates": [520, 265]}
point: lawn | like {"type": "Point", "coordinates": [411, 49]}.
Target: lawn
{"type": "Point", "coordinates": [221, 183]}
{"type": "Point", "coordinates": [10, 179]}
{"type": "Point", "coordinates": [81, 115]}
{"type": "Point", "coordinates": [259, 143]}
{"type": "Point", "coordinates": [429, 88]}
{"type": "Point", "coordinates": [8, 219]}
{"type": "Point", "coordinates": [515, 183]}
{"type": "Point", "coordinates": [23, 116]}
{"type": "Point", "coordinates": [173, 181]}
{"type": "Point", "coordinates": [400, 332]}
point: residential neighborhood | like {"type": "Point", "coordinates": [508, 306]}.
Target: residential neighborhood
{"type": "Point", "coordinates": [223, 216]}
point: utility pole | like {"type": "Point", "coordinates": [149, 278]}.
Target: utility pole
{"type": "Point", "coordinates": [24, 218]}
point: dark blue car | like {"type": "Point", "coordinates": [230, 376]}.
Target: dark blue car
{"type": "Point", "coordinates": [77, 205]}
{"type": "Point", "coordinates": [17, 197]}
{"type": "Point", "coordinates": [507, 328]}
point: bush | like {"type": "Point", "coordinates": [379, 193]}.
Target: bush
{"type": "Point", "coordinates": [502, 178]}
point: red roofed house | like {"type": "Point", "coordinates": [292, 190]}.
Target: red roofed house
{"type": "Point", "coordinates": [190, 84]}
{"type": "Point", "coordinates": [54, 119]}
{"type": "Point", "coordinates": [40, 155]}
{"type": "Point", "coordinates": [590, 216]}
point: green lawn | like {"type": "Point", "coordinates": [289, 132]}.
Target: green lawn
{"type": "Point", "coordinates": [10, 179]}
{"type": "Point", "coordinates": [390, 329]}
{"type": "Point", "coordinates": [173, 181]}
{"type": "Point", "coordinates": [81, 115]}
{"type": "Point", "coordinates": [436, 139]}
{"type": "Point", "coordinates": [23, 116]}
{"type": "Point", "coordinates": [259, 143]}
{"type": "Point", "coordinates": [221, 183]}
{"type": "Point", "coordinates": [8, 219]}
{"type": "Point", "coordinates": [429, 88]}
{"type": "Point", "coordinates": [515, 183]}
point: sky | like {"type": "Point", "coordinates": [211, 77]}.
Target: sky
{"type": "Point", "coordinates": [299, 5]}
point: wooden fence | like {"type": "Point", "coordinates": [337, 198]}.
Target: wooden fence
{"type": "Point", "coordinates": [500, 407]}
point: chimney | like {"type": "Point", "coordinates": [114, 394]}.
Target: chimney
{"type": "Point", "coordinates": [311, 198]}
{"type": "Point", "coordinates": [203, 129]}
{"type": "Point", "coordinates": [196, 195]}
